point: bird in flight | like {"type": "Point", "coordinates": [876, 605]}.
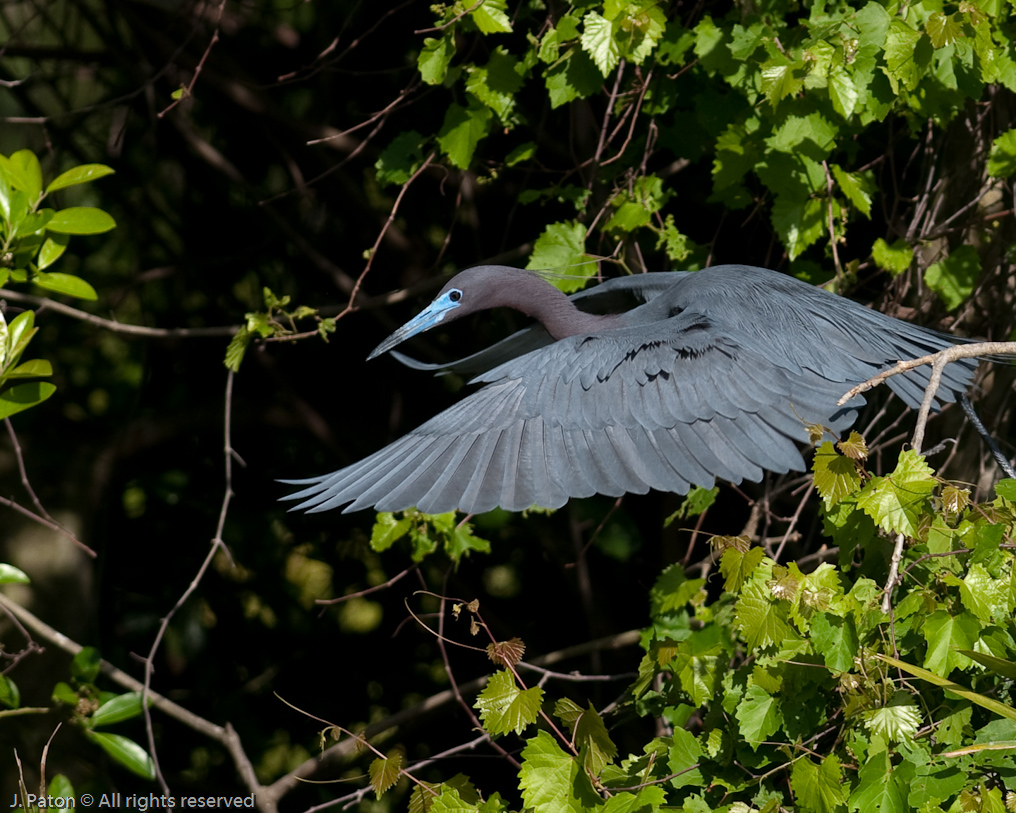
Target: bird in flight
{"type": "Point", "coordinates": [654, 381]}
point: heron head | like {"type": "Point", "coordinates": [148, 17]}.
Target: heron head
{"type": "Point", "coordinates": [468, 291]}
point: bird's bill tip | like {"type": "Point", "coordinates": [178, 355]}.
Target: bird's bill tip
{"type": "Point", "coordinates": [424, 320]}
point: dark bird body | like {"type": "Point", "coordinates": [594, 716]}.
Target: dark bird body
{"type": "Point", "coordinates": [712, 374]}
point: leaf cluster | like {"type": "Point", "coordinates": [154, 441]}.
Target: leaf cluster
{"type": "Point", "coordinates": [795, 690]}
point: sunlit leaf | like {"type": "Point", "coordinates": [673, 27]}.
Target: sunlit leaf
{"type": "Point", "coordinates": [598, 41]}
{"type": "Point", "coordinates": [12, 575]}
{"type": "Point", "coordinates": [23, 396]}
{"type": "Point", "coordinates": [80, 174]}
{"type": "Point", "coordinates": [31, 369]}
{"type": "Point", "coordinates": [65, 284]}
{"type": "Point", "coordinates": [81, 220]}
{"type": "Point", "coordinates": [384, 771]}
{"type": "Point", "coordinates": [505, 707]}
{"type": "Point", "coordinates": [51, 250]}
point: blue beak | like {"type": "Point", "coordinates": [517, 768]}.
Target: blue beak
{"type": "Point", "coordinates": [425, 320]}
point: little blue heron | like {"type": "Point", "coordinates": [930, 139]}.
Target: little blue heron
{"type": "Point", "coordinates": [708, 374]}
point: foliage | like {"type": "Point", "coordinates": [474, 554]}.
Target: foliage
{"type": "Point", "coordinates": [782, 691]}
{"type": "Point", "coordinates": [32, 238]}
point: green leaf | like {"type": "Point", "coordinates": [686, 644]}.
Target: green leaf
{"type": "Point", "coordinates": [81, 220]}
{"type": "Point", "coordinates": [842, 91]}
{"type": "Point", "coordinates": [758, 715]}
{"type": "Point", "coordinates": [12, 575]}
{"type": "Point", "coordinates": [737, 566]}
{"type": "Point", "coordinates": [491, 18]}
{"type": "Point", "coordinates": [574, 76]}
{"type": "Point", "coordinates": [1002, 161]}
{"type": "Point", "coordinates": [598, 41]}
{"type": "Point", "coordinates": [1006, 489]}
{"type": "Point", "coordinates": [454, 800]}
{"type": "Point", "coordinates": [897, 721]}
{"type": "Point", "coordinates": [80, 174]}
{"type": "Point", "coordinates": [62, 693]}
{"type": "Point", "coordinates": [505, 707]}
{"type": "Point", "coordinates": [901, 54]}
{"type": "Point", "coordinates": [640, 28]}
{"type": "Point", "coordinates": [462, 130]}
{"type": "Point", "coordinates": [23, 396]}
{"type": "Point", "coordinates": [33, 223]}
{"type": "Point", "coordinates": [955, 277]}
{"type": "Point", "coordinates": [496, 83]}
{"type": "Point", "coordinates": [400, 159]}
{"type": "Point", "coordinates": [520, 154]}
{"type": "Point", "coordinates": [880, 788]}
{"type": "Point", "coordinates": [10, 695]}
{"type": "Point", "coordinates": [673, 590]}
{"type": "Point", "coordinates": [121, 707]}
{"type": "Point", "coordinates": [19, 333]}
{"type": "Point", "coordinates": [819, 788]}
{"type": "Point", "coordinates": [561, 248]}
{"type": "Point", "coordinates": [31, 369]}
{"type": "Point", "coordinates": [460, 541]}
{"type": "Point", "coordinates": [237, 348]}
{"type": "Point", "coordinates": [636, 207]}
{"type": "Point", "coordinates": [896, 502]}
{"type": "Point", "coordinates": [761, 617]}
{"type": "Point", "coordinates": [858, 187]}
{"type": "Point", "coordinates": [698, 661]}
{"type": "Point", "coordinates": [781, 78]}
{"type": "Point", "coordinates": [683, 757]}
{"type": "Point", "coordinates": [592, 739]}
{"type": "Point", "coordinates": [65, 284]}
{"type": "Point", "coordinates": [799, 222]}
{"type": "Point", "coordinates": [946, 634]}
{"type": "Point", "coordinates": [647, 800]}
{"type": "Point", "coordinates": [836, 639]}
{"type": "Point", "coordinates": [895, 258]}
{"type": "Point", "coordinates": [435, 57]}
{"type": "Point", "coordinates": [384, 771]}
{"type": "Point", "coordinates": [26, 174]}
{"type": "Point", "coordinates": [61, 786]}
{"type": "Point", "coordinates": [51, 250]}
{"type": "Point", "coordinates": [943, 29]}
{"type": "Point", "coordinates": [551, 781]}
{"type": "Point", "coordinates": [86, 664]}
{"type": "Point", "coordinates": [835, 475]}
{"type": "Point", "coordinates": [127, 752]}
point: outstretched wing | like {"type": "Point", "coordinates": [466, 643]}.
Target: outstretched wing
{"type": "Point", "coordinates": [618, 411]}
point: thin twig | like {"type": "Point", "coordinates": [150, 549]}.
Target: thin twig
{"type": "Point", "coordinates": [216, 544]}
{"type": "Point", "coordinates": [119, 327]}
{"type": "Point", "coordinates": [959, 351]}
{"type": "Point", "coordinates": [201, 64]}
{"type": "Point", "coordinates": [391, 218]}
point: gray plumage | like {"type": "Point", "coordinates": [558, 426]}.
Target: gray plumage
{"type": "Point", "coordinates": [712, 374]}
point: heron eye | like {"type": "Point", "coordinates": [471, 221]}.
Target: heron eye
{"type": "Point", "coordinates": [455, 294]}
